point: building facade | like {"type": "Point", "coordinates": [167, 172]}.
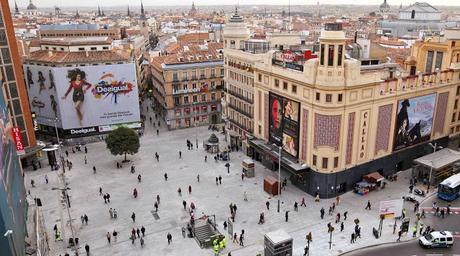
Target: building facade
{"type": "Point", "coordinates": [337, 121]}
{"type": "Point", "coordinates": [187, 85]}
{"type": "Point", "coordinates": [14, 87]}
{"type": "Point", "coordinates": [14, 113]}
{"type": "Point", "coordinates": [82, 87]}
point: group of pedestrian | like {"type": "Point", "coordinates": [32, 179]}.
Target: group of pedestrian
{"type": "Point", "coordinates": [219, 180]}
{"type": "Point", "coordinates": [356, 234]}
{"type": "Point", "coordinates": [239, 240]}
{"type": "Point", "coordinates": [113, 213]}
{"type": "Point", "coordinates": [190, 145]}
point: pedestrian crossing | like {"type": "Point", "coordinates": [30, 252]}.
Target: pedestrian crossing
{"type": "Point", "coordinates": [453, 210]}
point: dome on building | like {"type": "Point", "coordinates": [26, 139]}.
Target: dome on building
{"type": "Point", "coordinates": [384, 7]}
{"type": "Point", "coordinates": [31, 6]}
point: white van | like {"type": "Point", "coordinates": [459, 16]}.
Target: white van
{"type": "Point", "coordinates": [437, 239]}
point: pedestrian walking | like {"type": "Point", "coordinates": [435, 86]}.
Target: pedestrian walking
{"type": "Point", "coordinates": [341, 226]}
{"type": "Point", "coordinates": [399, 236]}
{"type": "Point", "coordinates": [183, 232]}
{"type": "Point", "coordinates": [87, 249]}
{"type": "Point", "coordinates": [133, 217]}
{"type": "Point", "coordinates": [86, 150]}
{"type": "Point", "coordinates": [107, 197]}
{"type": "Point", "coordinates": [241, 240]}
{"type": "Point", "coordinates": [217, 180]}
{"type": "Point", "coordinates": [46, 179]}
{"type": "Point", "coordinates": [286, 216]}
{"type": "Point", "coordinates": [220, 180]}
{"type": "Point", "coordinates": [296, 206]}
{"type": "Point", "coordinates": [368, 206]}
{"type": "Point", "coordinates": [322, 212]}
{"type": "Point", "coordinates": [184, 203]}
{"type": "Point", "coordinates": [205, 159]}
{"type": "Point", "coordinates": [86, 219]}
{"type": "Point", "coordinates": [67, 153]}
{"type": "Point", "coordinates": [139, 177]}
{"type": "Point", "coordinates": [442, 212]}
{"type": "Point", "coordinates": [345, 214]}
{"type": "Point", "coordinates": [333, 207]}
{"type": "Point", "coordinates": [242, 176]}
{"type": "Point", "coordinates": [414, 231]}
{"type": "Point", "coordinates": [352, 240]}
{"type": "Point", "coordinates": [94, 169]}
{"type": "Point", "coordinates": [179, 191]}
{"type": "Point", "coordinates": [421, 228]}
{"type": "Point", "coordinates": [158, 132]}
{"type": "Point", "coordinates": [337, 218]}
{"type": "Point", "coordinates": [143, 230]}
{"type": "Point", "coordinates": [268, 205]}
{"type": "Point", "coordinates": [109, 237]}
{"type": "Point", "coordinates": [317, 197]}
{"type": "Point", "coordinates": [133, 238]}
{"type": "Point", "coordinates": [245, 196]}
{"type": "Point", "coordinates": [86, 160]}
{"type": "Point", "coordinates": [138, 232]}
{"type": "Point", "coordinates": [166, 176]}
{"type": "Point", "coordinates": [303, 202]}
{"type": "Point", "coordinates": [156, 206]}
{"type": "Point", "coordinates": [180, 154]}
{"type": "Point", "coordinates": [225, 225]}
{"type": "Point", "coordinates": [169, 237]}
{"type": "Point", "coordinates": [235, 238]}
{"type": "Point", "coordinates": [189, 189]}
{"type": "Point", "coordinates": [100, 191]}
{"type": "Point", "coordinates": [198, 178]}
{"type": "Point", "coordinates": [111, 213]}
{"type": "Point", "coordinates": [158, 199]}
{"type": "Point", "coordinates": [142, 242]}
{"type": "Point", "coordinates": [337, 200]}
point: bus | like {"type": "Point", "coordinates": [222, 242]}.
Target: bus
{"type": "Point", "coordinates": [449, 189]}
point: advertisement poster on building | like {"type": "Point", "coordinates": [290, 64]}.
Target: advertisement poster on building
{"type": "Point", "coordinates": [86, 96]}
{"type": "Point", "coordinates": [414, 120]}
{"type": "Point", "coordinates": [17, 137]}
{"type": "Point", "coordinates": [284, 123]}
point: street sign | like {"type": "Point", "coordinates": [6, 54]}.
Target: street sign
{"type": "Point", "coordinates": [391, 208]}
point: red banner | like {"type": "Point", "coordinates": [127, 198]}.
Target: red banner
{"type": "Point", "coordinates": [18, 141]}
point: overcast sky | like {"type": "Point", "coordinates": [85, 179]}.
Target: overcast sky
{"type": "Point", "coordinates": [67, 3]}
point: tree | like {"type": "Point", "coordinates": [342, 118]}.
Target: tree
{"type": "Point", "coordinates": [123, 141]}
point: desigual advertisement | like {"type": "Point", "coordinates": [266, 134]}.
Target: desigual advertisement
{"type": "Point", "coordinates": [86, 96]}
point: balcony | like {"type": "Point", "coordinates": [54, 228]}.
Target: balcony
{"type": "Point", "coordinates": [236, 123]}
{"type": "Point", "coordinates": [241, 97]}
{"type": "Point", "coordinates": [240, 110]}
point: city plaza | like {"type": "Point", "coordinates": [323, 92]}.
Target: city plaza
{"type": "Point", "coordinates": [209, 198]}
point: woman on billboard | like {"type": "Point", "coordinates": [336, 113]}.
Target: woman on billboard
{"type": "Point", "coordinates": [77, 82]}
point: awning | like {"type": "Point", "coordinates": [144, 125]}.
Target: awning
{"type": "Point", "coordinates": [439, 159]}
{"type": "Point", "coordinates": [373, 177]}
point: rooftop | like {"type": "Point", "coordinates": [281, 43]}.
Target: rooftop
{"type": "Point", "coordinates": [77, 40]}
{"type": "Point", "coordinates": [58, 57]}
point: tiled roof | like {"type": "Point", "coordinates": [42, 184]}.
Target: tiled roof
{"type": "Point", "coordinates": [57, 57]}
{"type": "Point", "coordinates": [189, 54]}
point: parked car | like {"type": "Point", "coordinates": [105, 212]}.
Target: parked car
{"type": "Point", "coordinates": [437, 239]}
{"type": "Point", "coordinates": [409, 198]}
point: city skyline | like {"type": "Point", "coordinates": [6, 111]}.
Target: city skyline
{"type": "Point", "coordinates": [89, 3]}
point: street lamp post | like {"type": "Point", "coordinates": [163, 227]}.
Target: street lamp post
{"type": "Point", "coordinates": [279, 177]}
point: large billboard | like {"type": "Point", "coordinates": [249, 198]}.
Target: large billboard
{"type": "Point", "coordinates": [284, 123]}
{"type": "Point", "coordinates": [86, 96]}
{"type": "Point", "coordinates": [414, 120]}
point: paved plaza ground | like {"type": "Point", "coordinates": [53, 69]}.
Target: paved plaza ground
{"type": "Point", "coordinates": [206, 195]}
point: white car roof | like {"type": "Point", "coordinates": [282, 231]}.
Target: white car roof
{"type": "Point", "coordinates": [437, 234]}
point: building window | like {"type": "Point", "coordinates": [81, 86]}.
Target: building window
{"type": "Point", "coordinates": [340, 53]}
{"type": "Point", "coordinates": [318, 96]}
{"type": "Point", "coordinates": [184, 76]}
{"type": "Point", "coordinates": [175, 77]}
{"type": "Point", "coordinates": [285, 85]}
{"type": "Point", "coordinates": [195, 98]}
{"type": "Point", "coordinates": [453, 117]}
{"type": "Point", "coordinates": [186, 99]}
{"type": "Point", "coordinates": [203, 97]}
{"type": "Point", "coordinates": [294, 88]}
{"type": "Point", "coordinates": [222, 71]}
{"type": "Point", "coordinates": [455, 104]}
{"type": "Point", "coordinates": [429, 61]}
{"type": "Point", "coordinates": [259, 77]}
{"type": "Point", "coordinates": [194, 74]}
{"type": "Point", "coordinates": [438, 63]}
{"type": "Point", "coordinates": [105, 48]}
{"type": "Point", "coordinates": [81, 48]}
{"type": "Point", "coordinates": [328, 97]}
{"type": "Point", "coordinates": [213, 96]}
{"type": "Point", "coordinates": [9, 73]}
{"type": "Point", "coordinates": [277, 83]}
{"type": "Point", "coordinates": [458, 91]}
{"type": "Point", "coordinates": [260, 129]}
{"type": "Point", "coordinates": [92, 48]}
{"type": "Point", "coordinates": [314, 160]}
{"type": "Point", "coordinates": [336, 162]}
{"type": "Point", "coordinates": [202, 73]}
{"type": "Point", "coordinates": [412, 15]}
{"type": "Point", "coordinates": [339, 97]}
{"type": "Point", "coordinates": [213, 73]}
{"type": "Point", "coordinates": [330, 57]}
{"type": "Point", "coordinates": [325, 159]}
{"type": "Point", "coordinates": [322, 54]}
{"type": "Point", "coordinates": [194, 86]}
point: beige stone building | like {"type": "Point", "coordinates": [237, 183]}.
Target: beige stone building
{"type": "Point", "coordinates": [187, 85]}
{"type": "Point", "coordinates": [337, 121]}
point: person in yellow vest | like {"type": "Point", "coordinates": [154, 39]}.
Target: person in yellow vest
{"type": "Point", "coordinates": [216, 249]}
{"type": "Point", "coordinates": [214, 242]}
{"type": "Point", "coordinates": [221, 245]}
{"type": "Point", "coordinates": [224, 241]}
